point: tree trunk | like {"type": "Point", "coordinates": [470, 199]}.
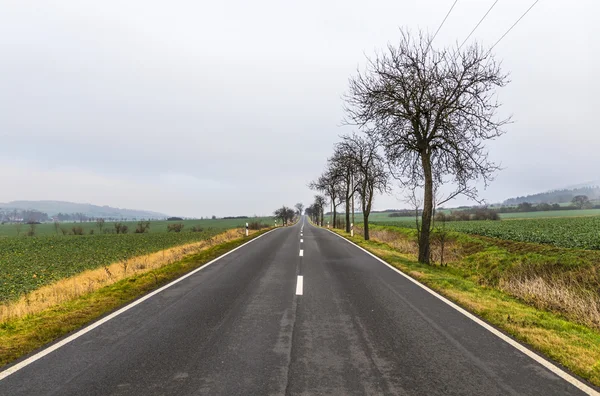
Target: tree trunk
{"type": "Point", "coordinates": [366, 213]}
{"type": "Point", "coordinates": [424, 248]}
{"type": "Point", "coordinates": [334, 216]}
{"type": "Point", "coordinates": [366, 207]}
{"type": "Point", "coordinates": [347, 214]}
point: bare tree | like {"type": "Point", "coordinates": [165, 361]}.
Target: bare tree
{"type": "Point", "coordinates": [432, 110]}
{"type": "Point", "coordinates": [310, 212]}
{"type": "Point", "coordinates": [319, 205]}
{"type": "Point", "coordinates": [580, 201]}
{"type": "Point", "coordinates": [330, 183]}
{"type": "Point", "coordinates": [343, 164]}
{"type": "Point", "coordinates": [370, 172]}
{"type": "Point", "coordinates": [100, 224]}
{"type": "Point", "coordinates": [290, 214]}
{"type": "Point", "coordinates": [299, 208]}
{"type": "Point", "coordinates": [285, 214]}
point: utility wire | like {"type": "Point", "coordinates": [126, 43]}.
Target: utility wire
{"type": "Point", "coordinates": [442, 24]}
{"type": "Point", "coordinates": [515, 24]}
{"type": "Point", "coordinates": [478, 23]}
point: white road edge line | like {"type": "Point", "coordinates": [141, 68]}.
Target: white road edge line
{"type": "Point", "coordinates": [301, 252]}
{"type": "Point", "coordinates": [299, 285]}
{"type": "Point", "coordinates": [549, 365]}
{"type": "Point", "coordinates": [54, 347]}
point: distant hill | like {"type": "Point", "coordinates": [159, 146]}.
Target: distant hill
{"type": "Point", "coordinates": [52, 208]}
{"type": "Point", "coordinates": [558, 196]}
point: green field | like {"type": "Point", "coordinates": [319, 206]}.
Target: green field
{"type": "Point", "coordinates": [28, 263]}
{"type": "Point", "coordinates": [568, 232]}
{"type": "Point", "coordinates": [384, 217]}
{"type": "Point", "coordinates": [48, 229]}
{"type": "Point", "coordinates": [551, 213]}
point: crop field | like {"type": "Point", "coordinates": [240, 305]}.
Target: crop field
{"type": "Point", "coordinates": [27, 263]}
{"type": "Point", "coordinates": [156, 226]}
{"type": "Point", "coordinates": [551, 213]}
{"type": "Point", "coordinates": [384, 217]}
{"type": "Point", "coordinates": [568, 232]}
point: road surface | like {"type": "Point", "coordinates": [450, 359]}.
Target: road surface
{"type": "Point", "coordinates": [298, 311]}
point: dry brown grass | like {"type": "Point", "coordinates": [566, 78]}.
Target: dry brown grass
{"type": "Point", "coordinates": [88, 281]}
{"type": "Point", "coordinates": [551, 283]}
{"type": "Point", "coordinates": [577, 304]}
{"type": "Point", "coordinates": [409, 246]}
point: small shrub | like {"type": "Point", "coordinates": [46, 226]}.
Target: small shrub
{"type": "Point", "coordinates": [256, 225]}
{"type": "Point", "coordinates": [31, 231]}
{"type": "Point", "coordinates": [77, 230]}
{"type": "Point", "coordinates": [177, 227]}
{"type": "Point", "coordinates": [197, 229]}
{"type": "Point", "coordinates": [121, 228]}
{"type": "Point", "coordinates": [142, 227]}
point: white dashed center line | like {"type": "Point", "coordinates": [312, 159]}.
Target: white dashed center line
{"type": "Point", "coordinates": [301, 240]}
{"type": "Point", "coordinates": [300, 285]}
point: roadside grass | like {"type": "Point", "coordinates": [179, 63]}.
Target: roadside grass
{"type": "Point", "coordinates": [20, 336]}
{"type": "Point", "coordinates": [475, 285]}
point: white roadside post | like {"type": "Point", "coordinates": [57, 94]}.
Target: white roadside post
{"type": "Point", "coordinates": [351, 229]}
{"type": "Point", "coordinates": [327, 224]}
{"type": "Point", "coordinates": [246, 229]}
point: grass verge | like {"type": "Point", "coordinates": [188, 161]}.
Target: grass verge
{"type": "Point", "coordinates": [574, 346]}
{"type": "Point", "coordinates": [21, 336]}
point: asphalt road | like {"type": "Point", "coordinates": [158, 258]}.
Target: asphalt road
{"type": "Point", "coordinates": [248, 325]}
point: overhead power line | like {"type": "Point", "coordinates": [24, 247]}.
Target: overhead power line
{"type": "Point", "coordinates": [515, 24]}
{"type": "Point", "coordinates": [478, 23]}
{"type": "Point", "coordinates": [442, 24]}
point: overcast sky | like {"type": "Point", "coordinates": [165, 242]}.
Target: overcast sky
{"type": "Point", "coordinates": [232, 107]}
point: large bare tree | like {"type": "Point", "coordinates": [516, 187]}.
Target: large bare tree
{"type": "Point", "coordinates": [432, 110]}
{"type": "Point", "coordinates": [370, 169]}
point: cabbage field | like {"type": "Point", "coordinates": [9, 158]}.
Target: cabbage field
{"type": "Point", "coordinates": [568, 232]}
{"type": "Point", "coordinates": [27, 263]}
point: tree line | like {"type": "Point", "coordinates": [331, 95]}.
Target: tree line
{"type": "Point", "coordinates": [36, 216]}
{"type": "Point", "coordinates": [287, 215]}
{"type": "Point", "coordinates": [422, 117]}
